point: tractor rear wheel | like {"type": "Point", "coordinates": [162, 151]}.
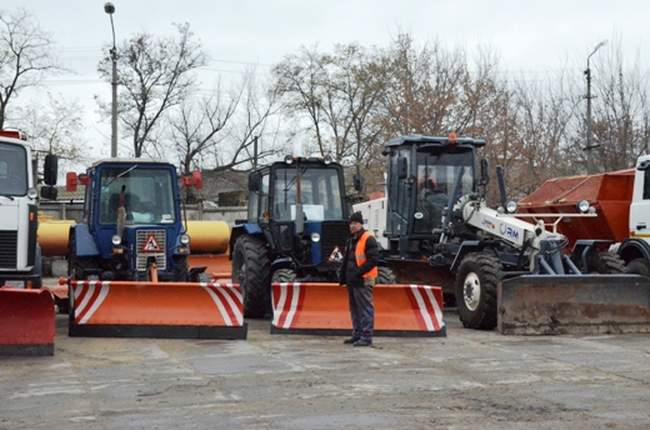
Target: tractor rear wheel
{"type": "Point", "coordinates": [476, 290]}
{"type": "Point", "coordinates": [251, 268]}
{"type": "Point", "coordinates": [386, 275]}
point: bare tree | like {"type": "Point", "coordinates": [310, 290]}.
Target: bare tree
{"type": "Point", "coordinates": [220, 129]}
{"type": "Point", "coordinates": [257, 107]}
{"type": "Point", "coordinates": [53, 127]}
{"type": "Point", "coordinates": [197, 127]}
{"type": "Point", "coordinates": [154, 75]}
{"type": "Point", "coordinates": [26, 54]}
{"type": "Point", "coordinates": [338, 94]}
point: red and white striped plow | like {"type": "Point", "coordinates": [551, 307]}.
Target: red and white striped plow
{"type": "Point", "coordinates": [156, 309]}
{"type": "Point", "coordinates": [323, 308]}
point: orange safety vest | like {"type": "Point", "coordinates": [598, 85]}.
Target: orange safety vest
{"type": "Point", "coordinates": [360, 256]}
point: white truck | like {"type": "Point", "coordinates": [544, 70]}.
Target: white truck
{"type": "Point", "coordinates": [20, 256]}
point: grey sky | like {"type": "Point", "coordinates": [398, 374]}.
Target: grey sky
{"type": "Point", "coordinates": [532, 38]}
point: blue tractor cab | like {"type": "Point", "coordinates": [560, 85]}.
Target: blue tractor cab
{"type": "Point", "coordinates": [132, 219]}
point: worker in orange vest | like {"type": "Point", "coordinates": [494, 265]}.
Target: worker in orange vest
{"type": "Point", "coordinates": [359, 273]}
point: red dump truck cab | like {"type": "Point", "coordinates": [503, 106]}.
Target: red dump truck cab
{"type": "Point", "coordinates": [621, 200]}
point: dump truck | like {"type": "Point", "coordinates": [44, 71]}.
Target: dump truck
{"type": "Point", "coordinates": [128, 260]}
{"type": "Point", "coordinates": [439, 227]}
{"type": "Point", "coordinates": [26, 314]}
{"type": "Point", "coordinates": [620, 201]}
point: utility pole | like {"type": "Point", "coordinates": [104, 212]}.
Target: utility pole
{"type": "Point", "coordinates": [590, 146]}
{"type": "Point", "coordinates": [110, 9]}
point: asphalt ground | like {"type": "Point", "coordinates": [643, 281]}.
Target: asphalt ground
{"type": "Point", "coordinates": [467, 380]}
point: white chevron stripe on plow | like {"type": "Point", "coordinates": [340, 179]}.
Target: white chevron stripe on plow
{"type": "Point", "coordinates": [103, 292]}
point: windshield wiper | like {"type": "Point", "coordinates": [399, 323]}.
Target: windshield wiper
{"type": "Point", "coordinates": [130, 169]}
{"type": "Point", "coordinates": [8, 196]}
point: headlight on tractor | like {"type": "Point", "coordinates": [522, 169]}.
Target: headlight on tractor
{"type": "Point", "coordinates": [184, 239]}
{"type": "Point", "coordinates": [511, 206]}
{"type": "Point", "coordinates": [315, 237]}
{"type": "Point", "coordinates": [116, 240]}
{"type": "Point", "coordinates": [583, 206]}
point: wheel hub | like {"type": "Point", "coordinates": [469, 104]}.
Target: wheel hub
{"type": "Point", "coordinates": [472, 291]}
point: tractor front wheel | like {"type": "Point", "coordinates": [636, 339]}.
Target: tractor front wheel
{"type": "Point", "coordinates": [283, 275]}
{"type": "Point", "coordinates": [476, 290]}
{"type": "Point", "coordinates": [251, 268]}
{"type": "Point", "coordinates": [386, 276]}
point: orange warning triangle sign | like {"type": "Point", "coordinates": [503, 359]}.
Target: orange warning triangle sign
{"type": "Point", "coordinates": [151, 245]}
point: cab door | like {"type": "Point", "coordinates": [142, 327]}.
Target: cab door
{"type": "Point", "coordinates": [639, 224]}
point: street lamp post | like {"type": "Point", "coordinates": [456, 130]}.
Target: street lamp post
{"type": "Point", "coordinates": [110, 9]}
{"type": "Point", "coordinates": [590, 146]}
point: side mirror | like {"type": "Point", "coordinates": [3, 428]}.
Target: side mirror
{"type": "Point", "coordinates": [50, 169]}
{"type": "Point", "coordinates": [254, 182]}
{"type": "Point", "coordinates": [643, 166]}
{"type": "Point", "coordinates": [402, 168]}
{"type": "Point", "coordinates": [357, 182]}
{"type": "Point", "coordinates": [71, 182]}
{"type": "Point", "coordinates": [49, 193]}
{"type": "Point", "coordinates": [485, 175]}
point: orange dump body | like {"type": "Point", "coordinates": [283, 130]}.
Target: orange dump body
{"type": "Point", "coordinates": [610, 193]}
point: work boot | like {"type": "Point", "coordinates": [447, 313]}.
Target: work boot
{"type": "Point", "coordinates": [362, 342]}
{"type": "Point", "coordinates": [351, 340]}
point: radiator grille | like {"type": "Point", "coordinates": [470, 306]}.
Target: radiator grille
{"type": "Point", "coordinates": [333, 234]}
{"type": "Point", "coordinates": [143, 240]}
{"type": "Point", "coordinates": [8, 250]}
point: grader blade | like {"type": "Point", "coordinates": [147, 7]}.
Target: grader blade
{"type": "Point", "coordinates": [579, 305]}
{"type": "Point", "coordinates": [26, 322]}
{"type": "Point", "coordinates": [322, 308]}
{"type": "Point", "coordinates": [156, 309]}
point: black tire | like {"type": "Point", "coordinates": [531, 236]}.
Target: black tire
{"type": "Point", "coordinates": [251, 268]}
{"type": "Point", "coordinates": [606, 263]}
{"type": "Point", "coordinates": [283, 275]}
{"type": "Point", "coordinates": [638, 266]}
{"type": "Point", "coordinates": [478, 272]}
{"type": "Point", "coordinates": [386, 275]}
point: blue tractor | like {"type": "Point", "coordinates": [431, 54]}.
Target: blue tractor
{"type": "Point", "coordinates": [132, 220]}
{"type": "Point", "coordinates": [295, 231]}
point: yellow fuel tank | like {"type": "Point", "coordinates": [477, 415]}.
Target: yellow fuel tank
{"type": "Point", "coordinates": [53, 236]}
{"type": "Point", "coordinates": [208, 237]}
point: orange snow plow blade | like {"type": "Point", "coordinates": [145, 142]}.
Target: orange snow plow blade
{"type": "Point", "coordinates": [322, 308]}
{"type": "Point", "coordinates": [150, 309]}
{"type": "Point", "coordinates": [26, 322]}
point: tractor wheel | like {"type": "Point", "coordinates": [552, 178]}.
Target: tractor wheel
{"type": "Point", "coordinates": [638, 266]}
{"type": "Point", "coordinates": [251, 267]}
{"type": "Point", "coordinates": [386, 276]}
{"type": "Point", "coordinates": [283, 275]}
{"type": "Point", "coordinates": [606, 263]}
{"type": "Point", "coordinates": [476, 290]}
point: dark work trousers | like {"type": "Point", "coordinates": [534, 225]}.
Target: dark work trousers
{"type": "Point", "coordinates": [362, 310]}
